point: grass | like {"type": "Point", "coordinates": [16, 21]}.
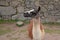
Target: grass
{"type": "Point", "coordinates": [52, 31]}
{"type": "Point", "coordinates": [12, 21]}
{"type": "Point", "coordinates": [7, 21]}
{"type": "Point", "coordinates": [23, 30]}
{"type": "Point", "coordinates": [14, 38]}
{"type": "Point", "coordinates": [4, 31]}
{"type": "Point", "coordinates": [27, 22]}
{"type": "Point", "coordinates": [51, 23]}
{"type": "Point", "coordinates": [45, 23]}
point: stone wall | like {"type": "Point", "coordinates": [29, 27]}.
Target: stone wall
{"type": "Point", "coordinates": [50, 9]}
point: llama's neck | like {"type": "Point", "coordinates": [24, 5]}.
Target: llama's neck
{"type": "Point", "coordinates": [36, 22]}
{"type": "Point", "coordinates": [36, 29]}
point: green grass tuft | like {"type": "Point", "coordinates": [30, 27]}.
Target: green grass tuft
{"type": "Point", "coordinates": [52, 31]}
{"type": "Point", "coordinates": [51, 23]}
{"type": "Point", "coordinates": [4, 31]}
{"type": "Point", "coordinates": [7, 21]}
{"type": "Point", "coordinates": [23, 30]}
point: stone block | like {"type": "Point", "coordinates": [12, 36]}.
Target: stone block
{"type": "Point", "coordinates": [3, 3]}
{"type": "Point", "coordinates": [20, 16]}
{"type": "Point", "coordinates": [20, 9]}
{"type": "Point", "coordinates": [14, 17]}
{"type": "Point", "coordinates": [14, 3]}
{"type": "Point", "coordinates": [7, 10]}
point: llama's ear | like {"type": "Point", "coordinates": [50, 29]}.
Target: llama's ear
{"type": "Point", "coordinates": [39, 8]}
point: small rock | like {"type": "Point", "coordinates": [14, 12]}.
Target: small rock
{"type": "Point", "coordinates": [19, 23]}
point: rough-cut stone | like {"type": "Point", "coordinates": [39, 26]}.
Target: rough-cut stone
{"type": "Point", "coordinates": [43, 9]}
{"type": "Point", "coordinates": [36, 3]}
{"type": "Point", "coordinates": [14, 3]}
{"type": "Point", "coordinates": [30, 4]}
{"type": "Point", "coordinates": [43, 2]}
{"type": "Point", "coordinates": [20, 9]}
{"type": "Point", "coordinates": [21, 2]}
{"type": "Point", "coordinates": [58, 20]}
{"type": "Point", "coordinates": [56, 0]}
{"type": "Point", "coordinates": [14, 17]}
{"type": "Point", "coordinates": [3, 3]}
{"type": "Point", "coordinates": [21, 17]}
{"type": "Point", "coordinates": [0, 17]}
{"type": "Point", "coordinates": [7, 10]}
{"type": "Point", "coordinates": [8, 0]}
{"type": "Point", "coordinates": [50, 9]}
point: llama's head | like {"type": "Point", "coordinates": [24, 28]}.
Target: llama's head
{"type": "Point", "coordinates": [31, 13]}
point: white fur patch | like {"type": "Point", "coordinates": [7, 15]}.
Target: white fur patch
{"type": "Point", "coordinates": [30, 11]}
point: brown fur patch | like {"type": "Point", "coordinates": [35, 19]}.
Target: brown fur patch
{"type": "Point", "coordinates": [30, 29]}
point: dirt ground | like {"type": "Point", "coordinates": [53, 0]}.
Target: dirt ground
{"type": "Point", "coordinates": [20, 33]}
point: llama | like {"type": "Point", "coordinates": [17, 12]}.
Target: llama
{"type": "Point", "coordinates": [35, 29]}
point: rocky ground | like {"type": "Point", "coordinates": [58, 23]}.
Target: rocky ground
{"type": "Point", "coordinates": [20, 33]}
